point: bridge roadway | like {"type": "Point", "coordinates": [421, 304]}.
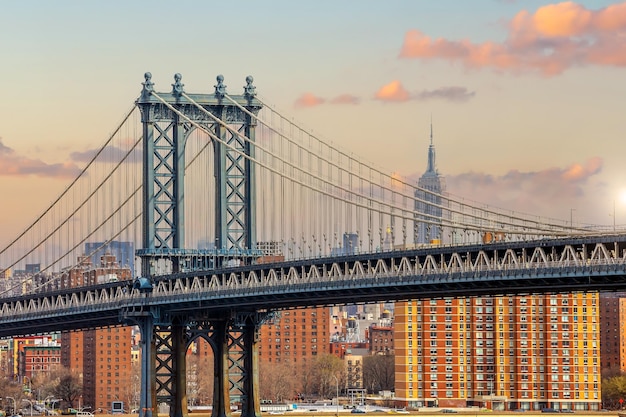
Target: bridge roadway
{"type": "Point", "coordinates": [589, 263]}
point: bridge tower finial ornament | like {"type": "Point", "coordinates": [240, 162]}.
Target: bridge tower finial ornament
{"type": "Point", "coordinates": [177, 87]}
{"type": "Point", "coordinates": [220, 87]}
{"type": "Point", "coordinates": [148, 86]}
{"type": "Point", "coordinates": [249, 90]}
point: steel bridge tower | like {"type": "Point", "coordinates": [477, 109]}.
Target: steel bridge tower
{"type": "Point", "coordinates": [168, 119]}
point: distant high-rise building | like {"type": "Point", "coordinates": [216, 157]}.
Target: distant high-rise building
{"type": "Point", "coordinates": [428, 200]}
{"type": "Point", "coordinates": [350, 243]}
{"type": "Point", "coordinates": [124, 252]}
{"type": "Point", "coordinates": [32, 268]}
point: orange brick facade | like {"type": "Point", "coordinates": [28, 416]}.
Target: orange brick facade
{"type": "Point", "coordinates": [296, 336]}
{"type": "Point", "coordinates": [503, 353]}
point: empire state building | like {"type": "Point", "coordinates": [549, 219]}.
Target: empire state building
{"type": "Point", "coordinates": [428, 201]}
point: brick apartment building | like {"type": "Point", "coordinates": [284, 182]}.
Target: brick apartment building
{"type": "Point", "coordinates": [503, 353]}
{"type": "Point", "coordinates": [381, 340]}
{"type": "Point", "coordinates": [102, 357]}
{"type": "Point", "coordinates": [33, 356]}
{"type": "Point", "coordinates": [612, 313]}
{"type": "Point", "coordinates": [296, 336]}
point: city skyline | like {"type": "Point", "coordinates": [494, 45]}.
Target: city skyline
{"type": "Point", "coordinates": [524, 97]}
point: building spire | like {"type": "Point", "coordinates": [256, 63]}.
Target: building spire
{"type": "Point", "coordinates": [432, 168]}
{"type": "Point", "coordinates": [431, 129]}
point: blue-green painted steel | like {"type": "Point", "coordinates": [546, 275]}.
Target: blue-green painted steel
{"type": "Point", "coordinates": [165, 134]}
{"type": "Point", "coordinates": [166, 128]}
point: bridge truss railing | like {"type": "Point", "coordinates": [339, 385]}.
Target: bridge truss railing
{"type": "Point", "coordinates": [486, 265]}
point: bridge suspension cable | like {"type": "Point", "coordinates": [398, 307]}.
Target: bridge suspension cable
{"type": "Point", "coordinates": [311, 196]}
{"type": "Point", "coordinates": [84, 209]}
{"type": "Point", "coordinates": [528, 227]}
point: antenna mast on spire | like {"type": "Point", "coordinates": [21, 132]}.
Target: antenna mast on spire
{"type": "Point", "coordinates": [431, 128]}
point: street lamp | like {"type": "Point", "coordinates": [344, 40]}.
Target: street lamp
{"type": "Point", "coordinates": [337, 403]}
{"type": "Point", "coordinates": [14, 404]}
{"type": "Point", "coordinates": [31, 405]}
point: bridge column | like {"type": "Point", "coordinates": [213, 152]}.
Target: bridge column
{"type": "Point", "coordinates": [247, 325]}
{"type": "Point", "coordinates": [179, 351]}
{"type": "Point", "coordinates": [251, 403]}
{"type": "Point", "coordinates": [221, 380]}
{"type": "Point", "coordinates": [147, 396]}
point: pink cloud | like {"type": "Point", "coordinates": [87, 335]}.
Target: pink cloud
{"type": "Point", "coordinates": [580, 172]}
{"type": "Point", "coordinates": [308, 100]}
{"type": "Point", "coordinates": [12, 164]}
{"type": "Point", "coordinates": [346, 99]}
{"type": "Point", "coordinates": [447, 93]}
{"type": "Point", "coordinates": [110, 153]}
{"type": "Point", "coordinates": [533, 191]}
{"type": "Point", "coordinates": [551, 40]}
{"type": "Point", "coordinates": [394, 91]}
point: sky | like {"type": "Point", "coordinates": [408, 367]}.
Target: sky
{"type": "Point", "coordinates": [527, 98]}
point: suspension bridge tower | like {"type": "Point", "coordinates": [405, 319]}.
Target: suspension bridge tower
{"type": "Point", "coordinates": [168, 119]}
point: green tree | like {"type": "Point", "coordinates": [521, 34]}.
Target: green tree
{"type": "Point", "coordinates": [613, 389]}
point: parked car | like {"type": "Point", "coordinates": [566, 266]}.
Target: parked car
{"type": "Point", "coordinates": [448, 411]}
{"type": "Point", "coordinates": [549, 410]}
{"type": "Point", "coordinates": [357, 411]}
{"type": "Point", "coordinates": [567, 410]}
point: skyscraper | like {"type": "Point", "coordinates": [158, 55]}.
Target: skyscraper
{"type": "Point", "coordinates": [428, 200]}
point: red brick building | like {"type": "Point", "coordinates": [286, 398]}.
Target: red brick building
{"type": "Point", "coordinates": [612, 312]}
{"type": "Point", "coordinates": [381, 340]}
{"type": "Point", "coordinates": [297, 336]}
{"type": "Point", "coordinates": [102, 357]}
{"type": "Point", "coordinates": [341, 348]}
{"type": "Point", "coordinates": [33, 355]}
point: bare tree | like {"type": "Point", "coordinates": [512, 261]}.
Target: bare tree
{"type": "Point", "coordinates": [277, 381]}
{"type": "Point", "coordinates": [379, 373]}
{"type": "Point", "coordinates": [13, 393]}
{"type": "Point", "coordinates": [130, 393]}
{"type": "Point", "coordinates": [69, 387]}
{"type": "Point", "coordinates": [200, 379]}
{"type": "Point", "coordinates": [307, 381]}
{"type": "Point", "coordinates": [326, 368]}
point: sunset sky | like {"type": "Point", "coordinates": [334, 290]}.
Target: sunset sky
{"type": "Point", "coordinates": [527, 98]}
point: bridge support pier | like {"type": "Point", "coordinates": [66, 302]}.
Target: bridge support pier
{"type": "Point", "coordinates": [164, 342]}
{"type": "Point", "coordinates": [244, 342]}
{"type": "Point", "coordinates": [221, 380]}
{"type": "Point", "coordinates": [179, 351]}
{"type": "Point", "coordinates": [145, 319]}
{"type": "Point", "coordinates": [251, 407]}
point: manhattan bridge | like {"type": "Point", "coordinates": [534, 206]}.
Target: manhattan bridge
{"type": "Point", "coordinates": [237, 212]}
